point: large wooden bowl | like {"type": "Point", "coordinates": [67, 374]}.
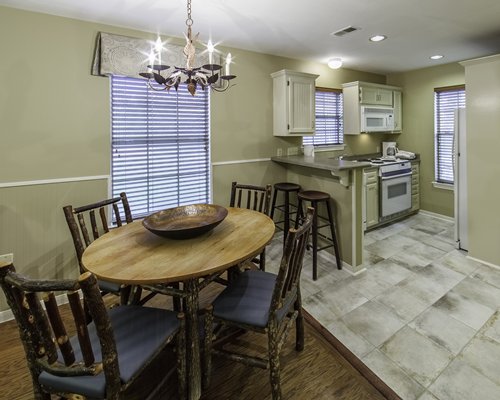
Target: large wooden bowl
{"type": "Point", "coordinates": [185, 222]}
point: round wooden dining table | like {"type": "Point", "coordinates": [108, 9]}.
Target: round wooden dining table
{"type": "Point", "coordinates": [132, 255]}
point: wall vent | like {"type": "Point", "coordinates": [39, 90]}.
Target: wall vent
{"type": "Point", "coordinates": [344, 31]}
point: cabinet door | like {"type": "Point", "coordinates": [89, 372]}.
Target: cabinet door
{"type": "Point", "coordinates": [371, 95]}
{"type": "Point", "coordinates": [372, 214]}
{"type": "Point", "coordinates": [384, 97]}
{"type": "Point", "coordinates": [368, 95]}
{"type": "Point", "coordinates": [398, 114]}
{"type": "Point", "coordinates": [301, 99]}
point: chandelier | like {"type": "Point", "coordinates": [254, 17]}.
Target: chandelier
{"type": "Point", "coordinates": [205, 76]}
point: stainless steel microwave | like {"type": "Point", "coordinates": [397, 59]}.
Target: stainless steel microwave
{"type": "Point", "coordinates": [377, 119]}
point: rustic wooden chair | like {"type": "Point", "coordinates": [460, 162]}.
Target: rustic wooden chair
{"type": "Point", "coordinates": [262, 302]}
{"type": "Point", "coordinates": [120, 355]}
{"type": "Point", "coordinates": [78, 218]}
{"type": "Point", "coordinates": [257, 198]}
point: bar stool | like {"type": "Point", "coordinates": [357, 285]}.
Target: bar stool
{"type": "Point", "coordinates": [316, 197]}
{"type": "Point", "coordinates": [286, 188]}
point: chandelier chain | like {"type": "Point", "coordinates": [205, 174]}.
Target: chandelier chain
{"type": "Point", "coordinates": [189, 20]}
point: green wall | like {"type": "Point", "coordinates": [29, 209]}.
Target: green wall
{"type": "Point", "coordinates": [55, 124]}
{"type": "Point", "coordinates": [418, 126]}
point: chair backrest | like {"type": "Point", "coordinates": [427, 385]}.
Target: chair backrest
{"type": "Point", "coordinates": [288, 278]}
{"type": "Point", "coordinates": [87, 215]}
{"type": "Point", "coordinates": [44, 333]}
{"type": "Point", "coordinates": [257, 198]}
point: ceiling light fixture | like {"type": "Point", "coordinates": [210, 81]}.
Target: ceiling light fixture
{"type": "Point", "coordinates": [378, 38]}
{"type": "Point", "coordinates": [204, 76]}
{"type": "Point", "coordinates": [335, 63]}
{"type": "Point", "coordinates": [436, 57]}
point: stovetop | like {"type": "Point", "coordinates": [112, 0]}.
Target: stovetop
{"type": "Point", "coordinates": [383, 160]}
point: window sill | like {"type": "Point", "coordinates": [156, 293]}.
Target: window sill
{"type": "Point", "coordinates": [332, 147]}
{"type": "Point", "coordinates": [445, 186]}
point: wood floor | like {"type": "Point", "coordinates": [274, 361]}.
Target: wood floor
{"type": "Point", "coordinates": [318, 372]}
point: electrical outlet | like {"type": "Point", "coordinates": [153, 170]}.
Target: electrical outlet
{"type": "Point", "coordinates": [279, 151]}
{"type": "Point", "coordinates": [7, 258]}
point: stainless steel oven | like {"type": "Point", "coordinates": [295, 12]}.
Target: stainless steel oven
{"type": "Point", "coordinates": [395, 185]}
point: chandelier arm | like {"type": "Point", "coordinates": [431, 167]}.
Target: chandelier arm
{"type": "Point", "coordinates": [161, 89]}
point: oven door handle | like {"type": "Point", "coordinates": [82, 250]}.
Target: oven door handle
{"type": "Point", "coordinates": [384, 178]}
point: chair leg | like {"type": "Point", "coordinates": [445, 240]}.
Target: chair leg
{"type": "Point", "coordinates": [274, 363]}
{"type": "Point", "coordinates": [315, 241]}
{"type": "Point", "coordinates": [287, 216]}
{"type": "Point", "coordinates": [262, 260]}
{"type": "Point", "coordinates": [125, 294]}
{"type": "Point", "coordinates": [207, 347]}
{"type": "Point", "coordinates": [334, 236]}
{"type": "Point", "coordinates": [181, 358]}
{"type": "Point", "coordinates": [299, 324]}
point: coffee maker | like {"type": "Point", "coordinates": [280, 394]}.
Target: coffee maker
{"type": "Point", "coordinates": [389, 149]}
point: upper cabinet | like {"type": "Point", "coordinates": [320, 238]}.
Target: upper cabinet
{"type": "Point", "coordinates": [293, 103]}
{"type": "Point", "coordinates": [362, 94]}
{"type": "Point", "coordinates": [375, 96]}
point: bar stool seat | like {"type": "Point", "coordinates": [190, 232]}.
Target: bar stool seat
{"type": "Point", "coordinates": [288, 209]}
{"type": "Point", "coordinates": [316, 197]}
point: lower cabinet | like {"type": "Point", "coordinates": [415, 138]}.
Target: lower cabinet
{"type": "Point", "coordinates": [371, 198]}
{"type": "Point", "coordinates": [415, 187]}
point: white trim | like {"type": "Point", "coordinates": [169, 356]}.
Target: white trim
{"type": "Point", "coordinates": [346, 267]}
{"type": "Point", "coordinates": [353, 221]}
{"type": "Point", "coordinates": [214, 164]}
{"type": "Point", "coordinates": [484, 262]}
{"type": "Point", "coordinates": [7, 315]}
{"type": "Point", "coordinates": [445, 186]}
{"type": "Point", "coordinates": [436, 215]}
{"type": "Point", "coordinates": [52, 181]}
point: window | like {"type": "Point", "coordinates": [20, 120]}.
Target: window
{"type": "Point", "coordinates": [446, 100]}
{"type": "Point", "coordinates": [329, 124]}
{"type": "Point", "coordinates": [160, 145]}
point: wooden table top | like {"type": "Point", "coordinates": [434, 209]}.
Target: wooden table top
{"type": "Point", "coordinates": [131, 254]}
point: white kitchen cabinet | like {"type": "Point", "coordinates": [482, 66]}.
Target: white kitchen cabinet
{"type": "Point", "coordinates": [375, 95]}
{"type": "Point", "coordinates": [371, 212]}
{"type": "Point", "coordinates": [415, 186]}
{"type": "Point", "coordinates": [357, 94]}
{"type": "Point", "coordinates": [398, 111]}
{"type": "Point", "coordinates": [293, 103]}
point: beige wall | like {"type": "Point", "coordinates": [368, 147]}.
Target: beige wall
{"type": "Point", "coordinates": [482, 79]}
{"type": "Point", "coordinates": [55, 123]}
{"type": "Point", "coordinates": [418, 126]}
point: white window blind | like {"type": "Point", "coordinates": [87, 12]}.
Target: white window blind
{"type": "Point", "coordinates": [329, 123]}
{"type": "Point", "coordinates": [446, 100]}
{"type": "Point", "coordinates": [160, 145]}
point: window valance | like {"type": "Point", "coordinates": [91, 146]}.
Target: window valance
{"type": "Point", "coordinates": [127, 56]}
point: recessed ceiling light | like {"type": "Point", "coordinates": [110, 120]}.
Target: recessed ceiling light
{"type": "Point", "coordinates": [378, 38]}
{"type": "Point", "coordinates": [335, 63]}
{"type": "Point", "coordinates": [436, 57]}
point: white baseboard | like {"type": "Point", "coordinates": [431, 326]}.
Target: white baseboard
{"type": "Point", "coordinates": [436, 215]}
{"type": "Point", "coordinates": [484, 262]}
{"type": "Point", "coordinates": [7, 315]}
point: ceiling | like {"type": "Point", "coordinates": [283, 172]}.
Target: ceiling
{"type": "Point", "coordinates": [416, 30]}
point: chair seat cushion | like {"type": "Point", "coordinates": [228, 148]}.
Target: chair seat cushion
{"type": "Point", "coordinates": [110, 287]}
{"type": "Point", "coordinates": [139, 332]}
{"type": "Point", "coordinates": [247, 299]}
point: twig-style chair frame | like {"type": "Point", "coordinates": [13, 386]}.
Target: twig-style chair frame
{"type": "Point", "coordinates": [265, 303]}
{"type": "Point", "coordinates": [97, 362]}
{"type": "Point", "coordinates": [77, 223]}
{"type": "Point", "coordinates": [257, 198]}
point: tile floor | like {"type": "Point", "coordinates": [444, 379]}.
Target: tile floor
{"type": "Point", "coordinates": [423, 317]}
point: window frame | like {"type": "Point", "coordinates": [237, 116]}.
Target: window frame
{"type": "Point", "coordinates": [444, 130]}
{"type": "Point", "coordinates": [167, 160]}
{"type": "Point", "coordinates": [328, 145]}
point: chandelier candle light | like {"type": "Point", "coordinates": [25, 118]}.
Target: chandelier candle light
{"type": "Point", "coordinates": [204, 76]}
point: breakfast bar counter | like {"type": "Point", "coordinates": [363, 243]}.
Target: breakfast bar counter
{"type": "Point", "coordinates": [343, 181]}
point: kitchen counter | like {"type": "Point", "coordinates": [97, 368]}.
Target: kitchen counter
{"type": "Point", "coordinates": [337, 167]}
